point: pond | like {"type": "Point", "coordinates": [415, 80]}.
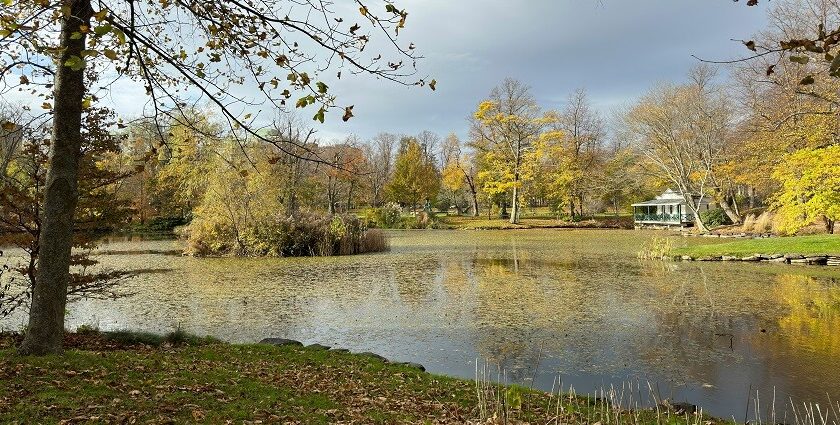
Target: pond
{"type": "Point", "coordinates": [542, 304]}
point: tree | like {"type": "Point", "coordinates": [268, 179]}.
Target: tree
{"type": "Point", "coordinates": [459, 171]}
{"type": "Point", "coordinates": [22, 182]}
{"type": "Point", "coordinates": [294, 161]}
{"type": "Point", "coordinates": [47, 46]}
{"type": "Point", "coordinates": [343, 174]}
{"type": "Point", "coordinates": [583, 132]}
{"type": "Point", "coordinates": [682, 131]}
{"type": "Point", "coordinates": [810, 191]}
{"type": "Point", "coordinates": [379, 155]}
{"type": "Point", "coordinates": [415, 177]}
{"type": "Point", "coordinates": [806, 32]}
{"type": "Point", "coordinates": [504, 128]}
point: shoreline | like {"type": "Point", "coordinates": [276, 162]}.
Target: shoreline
{"type": "Point", "coordinates": [103, 378]}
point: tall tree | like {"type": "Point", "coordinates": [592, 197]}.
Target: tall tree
{"type": "Point", "coordinates": [682, 131]}
{"type": "Point", "coordinates": [380, 153]}
{"type": "Point", "coordinates": [504, 129]}
{"type": "Point", "coordinates": [583, 133]}
{"type": "Point", "coordinates": [459, 170]}
{"type": "Point", "coordinates": [46, 46]}
{"type": "Point", "coordinates": [416, 178]}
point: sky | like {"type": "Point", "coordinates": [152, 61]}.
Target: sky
{"type": "Point", "coordinates": [615, 49]}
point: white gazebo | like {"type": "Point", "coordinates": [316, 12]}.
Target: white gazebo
{"type": "Point", "coordinates": [667, 209]}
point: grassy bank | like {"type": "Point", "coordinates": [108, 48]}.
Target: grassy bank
{"type": "Point", "coordinates": [802, 245]}
{"type": "Point", "coordinates": [123, 378]}
{"type": "Point", "coordinates": [534, 222]}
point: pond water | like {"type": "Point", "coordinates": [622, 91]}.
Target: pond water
{"type": "Point", "coordinates": [543, 304]}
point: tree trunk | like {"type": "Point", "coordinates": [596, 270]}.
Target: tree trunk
{"type": "Point", "coordinates": [350, 196]}
{"type": "Point", "coordinates": [514, 208]}
{"type": "Point", "coordinates": [580, 205]}
{"type": "Point", "coordinates": [752, 197]}
{"type": "Point", "coordinates": [572, 208]}
{"type": "Point", "coordinates": [724, 204]}
{"type": "Point", "coordinates": [829, 225]}
{"type": "Point", "coordinates": [475, 204]}
{"type": "Point", "coordinates": [45, 332]}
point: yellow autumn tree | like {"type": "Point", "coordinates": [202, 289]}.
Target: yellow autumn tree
{"type": "Point", "coordinates": [504, 129]}
{"type": "Point", "coordinates": [810, 180]}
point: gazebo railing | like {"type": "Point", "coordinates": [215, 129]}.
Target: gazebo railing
{"type": "Point", "coordinates": [664, 218]}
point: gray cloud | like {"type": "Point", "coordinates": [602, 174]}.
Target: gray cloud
{"type": "Point", "coordinates": [616, 49]}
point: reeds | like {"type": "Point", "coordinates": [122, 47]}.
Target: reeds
{"type": "Point", "coordinates": [632, 403]}
{"type": "Point", "coordinates": [656, 249]}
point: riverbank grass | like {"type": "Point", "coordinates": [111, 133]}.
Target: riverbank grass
{"type": "Point", "coordinates": [193, 380]}
{"type": "Point", "coordinates": [801, 245]}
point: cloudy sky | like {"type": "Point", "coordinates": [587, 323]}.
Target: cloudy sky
{"type": "Point", "coordinates": [616, 49]}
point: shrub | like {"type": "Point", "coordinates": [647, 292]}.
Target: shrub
{"type": "Point", "coordinates": [764, 222]}
{"type": "Point", "coordinates": [749, 223]}
{"type": "Point", "coordinates": [715, 217]}
{"type": "Point", "coordinates": [165, 224]}
{"type": "Point", "coordinates": [386, 217]}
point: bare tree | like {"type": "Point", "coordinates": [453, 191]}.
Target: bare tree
{"type": "Point", "coordinates": [380, 153]}
{"type": "Point", "coordinates": [682, 131]}
{"type": "Point", "coordinates": [583, 133]}
{"type": "Point", "coordinates": [429, 142]}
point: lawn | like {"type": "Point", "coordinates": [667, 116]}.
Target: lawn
{"type": "Point", "coordinates": [532, 222]}
{"type": "Point", "coordinates": [103, 380]}
{"type": "Point", "coordinates": [802, 245]}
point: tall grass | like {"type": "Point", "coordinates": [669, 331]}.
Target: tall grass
{"type": "Point", "coordinates": [302, 235]}
{"type": "Point", "coordinates": [656, 249]}
{"type": "Point", "coordinates": [632, 403]}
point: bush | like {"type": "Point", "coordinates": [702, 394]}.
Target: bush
{"type": "Point", "coordinates": [165, 224]}
{"type": "Point", "coordinates": [304, 235]}
{"type": "Point", "coordinates": [715, 217]}
{"type": "Point", "coordinates": [386, 217]}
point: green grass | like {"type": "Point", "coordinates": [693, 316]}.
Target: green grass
{"type": "Point", "coordinates": [202, 381]}
{"type": "Point", "coordinates": [803, 245]}
{"type": "Point", "coordinates": [529, 221]}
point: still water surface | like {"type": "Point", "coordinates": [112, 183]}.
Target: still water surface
{"type": "Point", "coordinates": [541, 303]}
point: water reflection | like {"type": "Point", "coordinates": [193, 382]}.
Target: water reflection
{"type": "Point", "coordinates": [578, 304]}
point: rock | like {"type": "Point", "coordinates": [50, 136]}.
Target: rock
{"type": "Point", "coordinates": [373, 355]}
{"type": "Point", "coordinates": [281, 342]}
{"type": "Point", "coordinates": [417, 366]}
{"type": "Point", "coordinates": [818, 260]}
{"type": "Point", "coordinates": [833, 261]}
{"type": "Point", "coordinates": [679, 408]}
{"type": "Point", "coordinates": [774, 256]}
{"type": "Point", "coordinates": [318, 347]}
{"type": "Point", "coordinates": [708, 259]}
{"type": "Point", "coordinates": [778, 260]}
{"type": "Point", "coordinates": [752, 258]}
{"type": "Point", "coordinates": [729, 258]}
{"type": "Point", "coordinates": [793, 256]}
{"type": "Point", "coordinates": [798, 261]}
{"type": "Point", "coordinates": [686, 258]}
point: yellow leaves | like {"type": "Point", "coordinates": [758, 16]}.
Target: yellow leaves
{"type": "Point", "coordinates": [485, 108]}
{"type": "Point", "coordinates": [810, 180]}
{"type": "Point", "coordinates": [110, 54]}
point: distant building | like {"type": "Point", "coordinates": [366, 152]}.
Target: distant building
{"type": "Point", "coordinates": [668, 209]}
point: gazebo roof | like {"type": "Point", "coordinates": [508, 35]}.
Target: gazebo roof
{"type": "Point", "coordinates": [654, 202]}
